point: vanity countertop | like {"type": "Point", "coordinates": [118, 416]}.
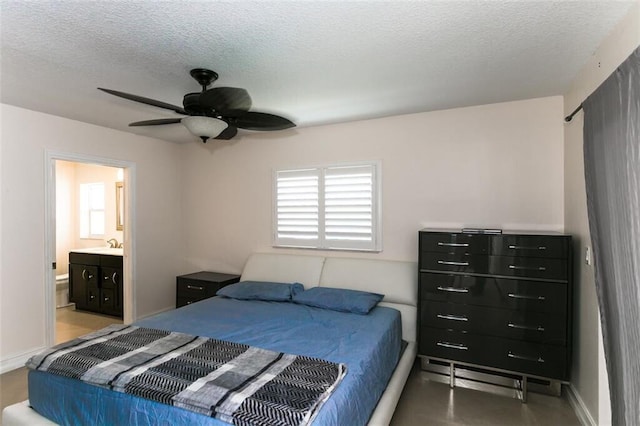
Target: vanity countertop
{"type": "Point", "coordinates": [99, 250]}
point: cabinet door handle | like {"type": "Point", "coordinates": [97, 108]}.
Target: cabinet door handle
{"type": "Point", "coordinates": [453, 244]}
{"type": "Point", "coordinates": [106, 299]}
{"type": "Point", "coordinates": [450, 345]}
{"type": "Point", "coordinates": [525, 358]}
{"type": "Point", "coordinates": [527, 248]}
{"type": "Point", "coordinates": [452, 317]}
{"type": "Point", "coordinates": [195, 287]}
{"type": "Point", "coordinates": [113, 278]}
{"type": "Point", "coordinates": [91, 297]}
{"type": "Point", "coordinates": [531, 268]}
{"type": "Point", "coordinates": [526, 327]}
{"type": "Point", "coordinates": [453, 289]}
{"type": "Point", "coordinates": [524, 296]}
{"type": "Point", "coordinates": [86, 275]}
{"type": "Point", "coordinates": [446, 262]}
{"type": "Point", "coordinates": [189, 302]}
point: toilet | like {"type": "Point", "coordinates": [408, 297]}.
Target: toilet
{"type": "Point", "coordinates": [62, 290]}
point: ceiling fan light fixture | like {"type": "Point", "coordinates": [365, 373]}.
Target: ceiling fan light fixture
{"type": "Point", "coordinates": [204, 127]}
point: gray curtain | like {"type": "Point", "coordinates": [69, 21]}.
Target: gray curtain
{"type": "Point", "coordinates": [612, 174]}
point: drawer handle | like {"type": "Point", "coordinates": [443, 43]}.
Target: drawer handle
{"type": "Point", "coordinates": [525, 358]}
{"type": "Point", "coordinates": [106, 299]}
{"type": "Point", "coordinates": [453, 244]}
{"type": "Point", "coordinates": [453, 289]}
{"type": "Point", "coordinates": [526, 327]}
{"type": "Point", "coordinates": [86, 275]}
{"type": "Point", "coordinates": [450, 345]}
{"type": "Point", "coordinates": [195, 287]}
{"type": "Point", "coordinates": [452, 317]}
{"type": "Point", "coordinates": [524, 296]}
{"type": "Point", "coordinates": [114, 278]}
{"type": "Point", "coordinates": [533, 268]}
{"type": "Point", "coordinates": [445, 262]}
{"type": "Point", "coordinates": [527, 248]}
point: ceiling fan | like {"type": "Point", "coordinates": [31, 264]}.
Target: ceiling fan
{"type": "Point", "coordinates": [215, 113]}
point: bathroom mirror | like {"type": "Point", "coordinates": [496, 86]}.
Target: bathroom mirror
{"type": "Point", "coordinates": [119, 206]}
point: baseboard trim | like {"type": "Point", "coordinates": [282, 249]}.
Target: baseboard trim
{"type": "Point", "coordinates": [170, 308]}
{"type": "Point", "coordinates": [17, 361]}
{"type": "Point", "coordinates": [579, 407]}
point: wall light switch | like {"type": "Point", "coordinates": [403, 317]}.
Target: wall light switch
{"type": "Point", "coordinates": [587, 255]}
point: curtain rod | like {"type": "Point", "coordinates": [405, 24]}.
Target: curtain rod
{"type": "Point", "coordinates": [569, 117]}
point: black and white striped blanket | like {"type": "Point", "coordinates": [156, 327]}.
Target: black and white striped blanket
{"type": "Point", "coordinates": [232, 382]}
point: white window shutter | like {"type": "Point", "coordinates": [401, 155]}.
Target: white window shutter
{"type": "Point", "coordinates": [297, 208]}
{"type": "Point", "coordinates": [330, 207]}
{"type": "Point", "coordinates": [349, 206]}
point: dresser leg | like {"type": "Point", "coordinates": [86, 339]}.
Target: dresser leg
{"type": "Point", "coordinates": [524, 390]}
{"type": "Point", "coordinates": [452, 375]}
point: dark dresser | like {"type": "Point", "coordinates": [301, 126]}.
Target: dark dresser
{"type": "Point", "coordinates": [191, 288]}
{"type": "Point", "coordinates": [497, 301]}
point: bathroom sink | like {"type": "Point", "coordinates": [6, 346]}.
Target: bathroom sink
{"type": "Point", "coordinates": [100, 250]}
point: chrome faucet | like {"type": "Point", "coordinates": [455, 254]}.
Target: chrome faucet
{"type": "Point", "coordinates": [113, 243]}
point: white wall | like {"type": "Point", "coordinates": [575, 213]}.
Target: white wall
{"type": "Point", "coordinates": [589, 378]}
{"type": "Point", "coordinates": [494, 165]}
{"type": "Point", "coordinates": [26, 135]}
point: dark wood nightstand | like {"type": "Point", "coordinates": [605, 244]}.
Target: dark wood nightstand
{"type": "Point", "coordinates": [201, 285]}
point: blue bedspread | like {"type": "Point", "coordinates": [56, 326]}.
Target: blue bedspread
{"type": "Point", "coordinates": [368, 344]}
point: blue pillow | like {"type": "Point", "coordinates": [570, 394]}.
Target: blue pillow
{"type": "Point", "coordinates": [261, 290]}
{"type": "Point", "coordinates": [339, 299]}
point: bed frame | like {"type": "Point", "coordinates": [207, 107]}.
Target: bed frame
{"type": "Point", "coordinates": [396, 280]}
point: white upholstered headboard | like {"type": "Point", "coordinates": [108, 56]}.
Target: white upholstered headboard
{"type": "Point", "coordinates": [397, 280]}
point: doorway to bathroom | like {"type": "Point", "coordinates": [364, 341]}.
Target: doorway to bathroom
{"type": "Point", "coordinates": [88, 242]}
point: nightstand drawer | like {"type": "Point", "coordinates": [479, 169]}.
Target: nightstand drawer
{"type": "Point", "coordinates": [191, 288]}
{"type": "Point", "coordinates": [525, 295]}
{"type": "Point", "coordinates": [538, 327]}
{"type": "Point", "coordinates": [197, 289]}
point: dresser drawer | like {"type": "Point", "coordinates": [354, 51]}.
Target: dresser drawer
{"type": "Point", "coordinates": [519, 325]}
{"type": "Point", "coordinates": [455, 262]}
{"type": "Point", "coordinates": [526, 267]}
{"type": "Point", "coordinates": [506, 354]}
{"type": "Point", "coordinates": [530, 246]}
{"type": "Point", "coordinates": [445, 242]}
{"type": "Point", "coordinates": [530, 267]}
{"type": "Point", "coordinates": [505, 293]}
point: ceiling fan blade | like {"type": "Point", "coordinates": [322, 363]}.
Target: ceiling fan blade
{"type": "Point", "coordinates": [156, 122]}
{"type": "Point", "coordinates": [262, 121]}
{"type": "Point", "coordinates": [143, 100]}
{"type": "Point", "coordinates": [228, 133]}
{"type": "Point", "coordinates": [226, 101]}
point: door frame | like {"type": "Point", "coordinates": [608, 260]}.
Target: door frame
{"type": "Point", "coordinates": [128, 259]}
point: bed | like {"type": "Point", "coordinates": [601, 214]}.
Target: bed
{"type": "Point", "coordinates": [377, 364]}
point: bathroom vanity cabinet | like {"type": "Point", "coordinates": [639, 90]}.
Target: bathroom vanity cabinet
{"type": "Point", "coordinates": [95, 281]}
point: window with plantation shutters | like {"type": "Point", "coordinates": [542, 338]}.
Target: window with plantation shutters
{"type": "Point", "coordinates": [330, 207]}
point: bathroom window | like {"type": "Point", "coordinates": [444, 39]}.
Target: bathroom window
{"type": "Point", "coordinates": [332, 207]}
{"type": "Point", "coordinates": [92, 215]}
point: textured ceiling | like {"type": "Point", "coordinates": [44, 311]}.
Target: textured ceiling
{"type": "Point", "coordinates": [314, 62]}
